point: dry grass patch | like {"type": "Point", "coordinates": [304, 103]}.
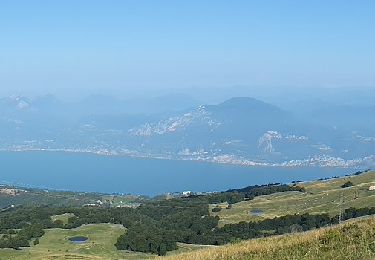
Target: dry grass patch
{"type": "Point", "coordinates": [352, 240]}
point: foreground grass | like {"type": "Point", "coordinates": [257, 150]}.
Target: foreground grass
{"type": "Point", "coordinates": [55, 245]}
{"type": "Point", "coordinates": [320, 197]}
{"type": "Point", "coordinates": [352, 240]}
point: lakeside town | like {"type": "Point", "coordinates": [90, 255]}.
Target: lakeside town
{"type": "Point", "coordinates": [204, 156]}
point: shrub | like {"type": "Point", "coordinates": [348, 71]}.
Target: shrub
{"type": "Point", "coordinates": [347, 184]}
{"type": "Point", "coordinates": [216, 209]}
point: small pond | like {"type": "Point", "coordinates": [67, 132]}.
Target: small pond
{"type": "Point", "coordinates": [78, 239]}
{"type": "Point", "coordinates": [256, 212]}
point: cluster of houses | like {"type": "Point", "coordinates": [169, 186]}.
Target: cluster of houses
{"type": "Point", "coordinates": [111, 203]}
{"type": "Point", "coordinates": [97, 203]}
{"type": "Point", "coordinates": [185, 194]}
{"type": "Point", "coordinates": [11, 192]}
{"type": "Point", "coordinates": [9, 207]}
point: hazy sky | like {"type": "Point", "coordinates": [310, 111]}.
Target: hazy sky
{"type": "Point", "coordinates": [116, 46]}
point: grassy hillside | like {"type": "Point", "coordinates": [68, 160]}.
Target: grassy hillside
{"type": "Point", "coordinates": [320, 197]}
{"type": "Point", "coordinates": [37, 197]}
{"type": "Point", "coordinates": [352, 240]}
{"type": "Point", "coordinates": [33, 197]}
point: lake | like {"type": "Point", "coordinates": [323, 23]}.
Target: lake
{"type": "Point", "coordinates": [114, 174]}
{"type": "Point", "coordinates": [78, 239]}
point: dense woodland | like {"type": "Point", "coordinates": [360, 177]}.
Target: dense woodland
{"type": "Point", "coordinates": [248, 193]}
{"type": "Point", "coordinates": [156, 226]}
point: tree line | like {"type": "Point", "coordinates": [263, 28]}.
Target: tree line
{"type": "Point", "coordinates": [248, 193]}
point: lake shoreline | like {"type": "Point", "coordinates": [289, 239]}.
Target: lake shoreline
{"type": "Point", "coordinates": [316, 161]}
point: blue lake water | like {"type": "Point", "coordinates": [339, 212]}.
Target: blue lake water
{"type": "Point", "coordinates": [111, 174]}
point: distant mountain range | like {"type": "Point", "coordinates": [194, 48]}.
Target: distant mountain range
{"type": "Point", "coordinates": [241, 130]}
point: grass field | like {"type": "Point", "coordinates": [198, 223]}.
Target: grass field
{"type": "Point", "coordinates": [320, 197]}
{"type": "Point", "coordinates": [352, 240]}
{"type": "Point", "coordinates": [55, 245]}
{"type": "Point", "coordinates": [63, 217]}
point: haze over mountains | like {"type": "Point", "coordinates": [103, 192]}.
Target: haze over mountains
{"type": "Point", "coordinates": [240, 130]}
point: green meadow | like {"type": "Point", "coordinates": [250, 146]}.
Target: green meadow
{"type": "Point", "coordinates": [55, 245]}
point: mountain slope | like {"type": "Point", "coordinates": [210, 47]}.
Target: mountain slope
{"type": "Point", "coordinates": [352, 240]}
{"type": "Point", "coordinates": [239, 126]}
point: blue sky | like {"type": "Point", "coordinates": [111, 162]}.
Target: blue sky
{"type": "Point", "coordinates": [122, 47]}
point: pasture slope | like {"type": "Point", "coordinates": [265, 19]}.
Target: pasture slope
{"type": "Point", "coordinates": [322, 196]}
{"type": "Point", "coordinates": [352, 240]}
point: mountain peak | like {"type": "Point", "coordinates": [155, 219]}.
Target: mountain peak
{"type": "Point", "coordinates": [246, 104]}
